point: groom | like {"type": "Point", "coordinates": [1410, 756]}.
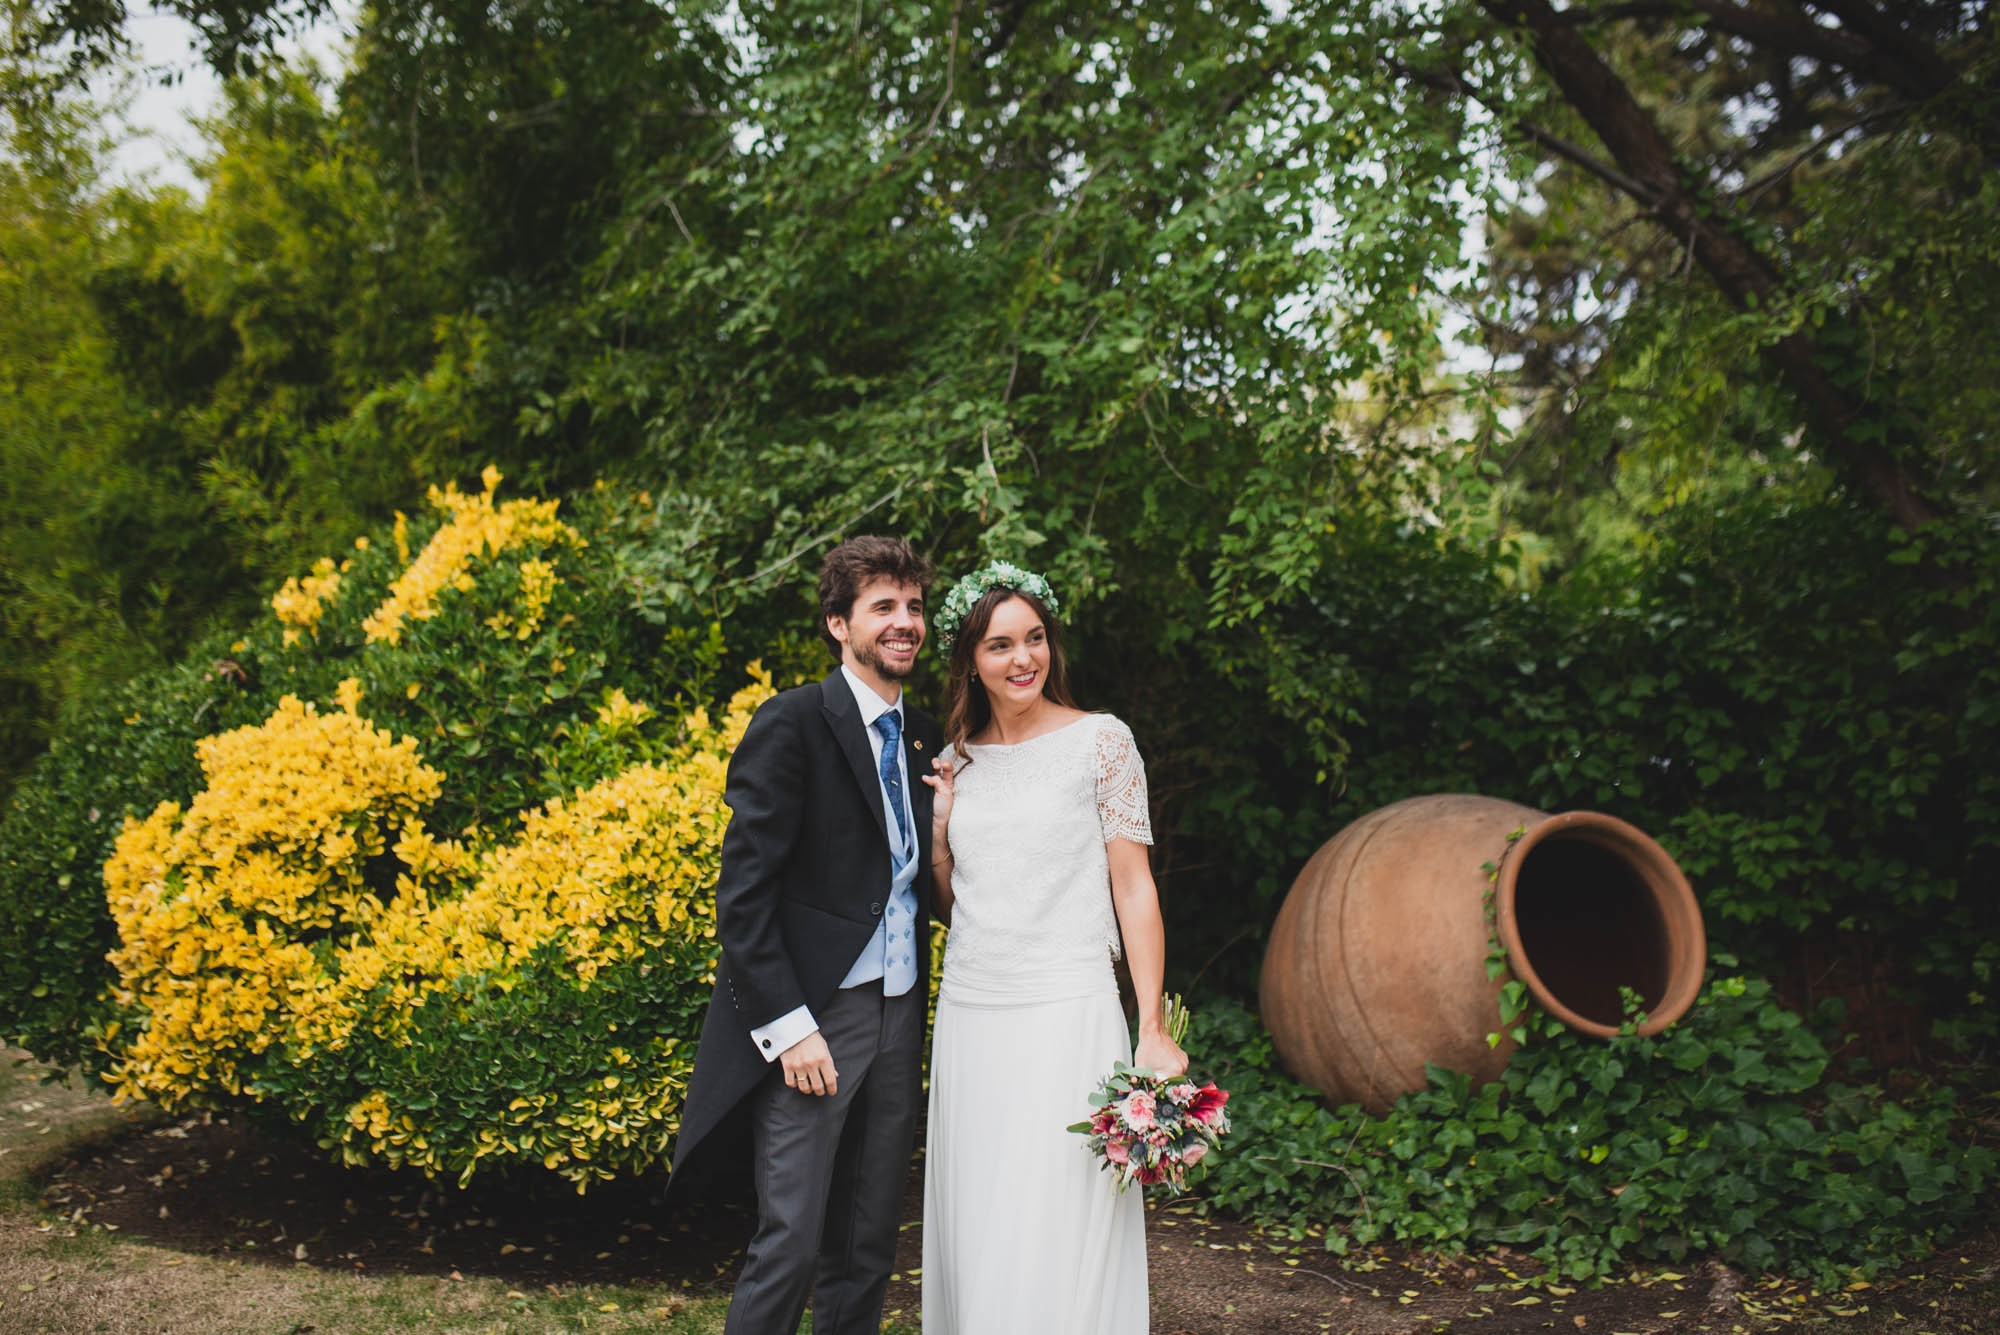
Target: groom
{"type": "Point", "coordinates": [814, 1037]}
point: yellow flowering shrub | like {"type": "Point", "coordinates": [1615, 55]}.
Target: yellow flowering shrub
{"type": "Point", "coordinates": [217, 906]}
{"type": "Point", "coordinates": [448, 899]}
{"type": "Point", "coordinates": [297, 935]}
{"type": "Point", "coordinates": [538, 586]}
{"type": "Point", "coordinates": [475, 529]}
{"type": "Point", "coordinates": [423, 860]}
{"type": "Point", "coordinates": [487, 632]}
{"type": "Point", "coordinates": [619, 714]}
{"type": "Point", "coordinates": [266, 928]}
{"type": "Point", "coordinates": [301, 600]}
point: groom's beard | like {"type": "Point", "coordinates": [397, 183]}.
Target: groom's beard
{"type": "Point", "coordinates": [869, 656]}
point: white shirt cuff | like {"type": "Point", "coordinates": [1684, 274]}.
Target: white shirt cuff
{"type": "Point", "coordinates": [781, 1033]}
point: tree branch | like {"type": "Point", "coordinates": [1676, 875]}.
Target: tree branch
{"type": "Point", "coordinates": [1818, 146]}
{"type": "Point", "coordinates": [1904, 61]}
{"type": "Point", "coordinates": [822, 536]}
{"type": "Point", "coordinates": [1765, 28]}
{"type": "Point", "coordinates": [1451, 81]}
{"type": "Point", "coordinates": [950, 71]}
{"type": "Point", "coordinates": [1003, 36]}
{"type": "Point", "coordinates": [1871, 46]}
{"type": "Point", "coordinates": [1743, 274]}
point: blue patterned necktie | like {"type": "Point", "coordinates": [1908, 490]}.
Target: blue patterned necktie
{"type": "Point", "coordinates": [891, 725]}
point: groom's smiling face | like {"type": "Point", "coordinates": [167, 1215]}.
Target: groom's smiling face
{"type": "Point", "coordinates": [882, 632]}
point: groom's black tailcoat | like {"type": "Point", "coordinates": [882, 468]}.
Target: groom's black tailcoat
{"type": "Point", "coordinates": [805, 878]}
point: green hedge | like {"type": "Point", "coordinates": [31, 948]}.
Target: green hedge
{"type": "Point", "coordinates": [1723, 1136]}
{"type": "Point", "coordinates": [131, 750]}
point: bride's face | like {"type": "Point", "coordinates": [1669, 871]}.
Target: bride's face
{"type": "Point", "coordinates": [1012, 658]}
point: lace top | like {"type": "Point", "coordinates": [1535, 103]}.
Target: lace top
{"type": "Point", "coordinates": [1032, 917]}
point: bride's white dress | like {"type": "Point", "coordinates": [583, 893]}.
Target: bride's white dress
{"type": "Point", "coordinates": [1022, 1230]}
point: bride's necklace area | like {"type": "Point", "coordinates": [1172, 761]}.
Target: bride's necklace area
{"type": "Point", "coordinates": [1039, 720]}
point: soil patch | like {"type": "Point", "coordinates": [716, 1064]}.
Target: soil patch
{"type": "Point", "coordinates": [217, 1186]}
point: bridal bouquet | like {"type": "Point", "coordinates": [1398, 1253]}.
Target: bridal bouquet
{"type": "Point", "coordinates": [1152, 1130]}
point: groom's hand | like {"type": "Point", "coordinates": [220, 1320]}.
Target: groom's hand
{"type": "Point", "coordinates": [809, 1065]}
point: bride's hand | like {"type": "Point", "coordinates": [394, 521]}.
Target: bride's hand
{"type": "Point", "coordinates": [940, 781]}
{"type": "Point", "coordinates": [1160, 1055]}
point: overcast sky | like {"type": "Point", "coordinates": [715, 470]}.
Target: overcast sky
{"type": "Point", "coordinates": [163, 136]}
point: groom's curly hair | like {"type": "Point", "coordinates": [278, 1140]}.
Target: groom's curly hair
{"type": "Point", "coordinates": [852, 565]}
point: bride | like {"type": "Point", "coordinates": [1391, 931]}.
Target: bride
{"type": "Point", "coordinates": [1040, 833]}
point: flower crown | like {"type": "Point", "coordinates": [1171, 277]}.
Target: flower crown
{"type": "Point", "coordinates": [973, 587]}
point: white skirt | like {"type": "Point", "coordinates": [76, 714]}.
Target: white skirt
{"type": "Point", "coordinates": [1022, 1230]}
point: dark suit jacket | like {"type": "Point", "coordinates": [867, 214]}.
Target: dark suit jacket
{"type": "Point", "coordinates": [805, 878]}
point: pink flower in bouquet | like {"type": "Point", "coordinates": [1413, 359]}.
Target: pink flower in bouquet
{"type": "Point", "coordinates": [1206, 1106]}
{"type": "Point", "coordinates": [1150, 1129]}
{"type": "Point", "coordinates": [1137, 1109]}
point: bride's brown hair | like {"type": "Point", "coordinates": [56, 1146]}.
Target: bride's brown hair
{"type": "Point", "coordinates": [967, 708]}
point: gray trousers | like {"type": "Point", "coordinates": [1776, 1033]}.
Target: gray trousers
{"type": "Point", "coordinates": [831, 1171]}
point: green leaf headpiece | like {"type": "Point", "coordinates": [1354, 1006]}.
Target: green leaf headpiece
{"type": "Point", "coordinates": [973, 587]}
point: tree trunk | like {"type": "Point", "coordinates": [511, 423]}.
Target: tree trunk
{"type": "Point", "coordinates": [1597, 94]}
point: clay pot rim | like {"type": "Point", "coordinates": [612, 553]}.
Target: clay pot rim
{"type": "Point", "coordinates": [1681, 916]}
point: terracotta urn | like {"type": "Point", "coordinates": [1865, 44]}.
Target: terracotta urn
{"type": "Point", "coordinates": [1377, 962]}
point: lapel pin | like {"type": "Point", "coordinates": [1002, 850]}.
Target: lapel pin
{"type": "Point", "coordinates": [918, 744]}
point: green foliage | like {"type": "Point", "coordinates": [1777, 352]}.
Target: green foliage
{"type": "Point", "coordinates": [1718, 1137]}
{"type": "Point", "coordinates": [102, 551]}
{"type": "Point", "coordinates": [1866, 192]}
{"type": "Point", "coordinates": [174, 433]}
{"type": "Point", "coordinates": [574, 97]}
{"type": "Point", "coordinates": [79, 39]}
{"type": "Point", "coordinates": [1777, 693]}
{"type": "Point", "coordinates": [131, 749]}
{"type": "Point", "coordinates": [543, 1039]}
